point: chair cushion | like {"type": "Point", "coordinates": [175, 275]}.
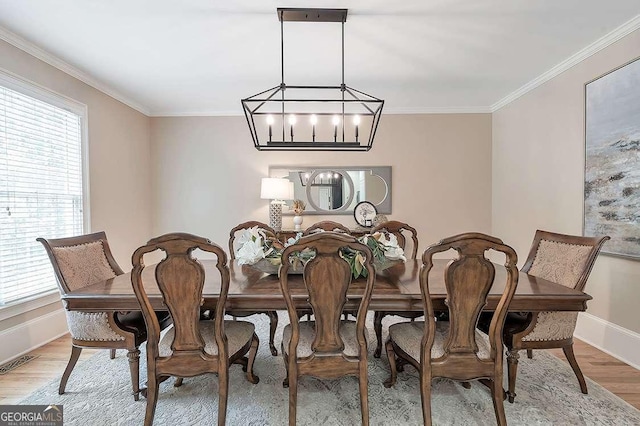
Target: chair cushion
{"type": "Point", "coordinates": [553, 326]}
{"type": "Point", "coordinates": [92, 326]}
{"type": "Point", "coordinates": [408, 337]}
{"type": "Point", "coordinates": [83, 264]}
{"type": "Point", "coordinates": [239, 333]}
{"type": "Point", "coordinates": [308, 333]}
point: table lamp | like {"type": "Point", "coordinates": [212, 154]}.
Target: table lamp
{"type": "Point", "coordinates": [276, 190]}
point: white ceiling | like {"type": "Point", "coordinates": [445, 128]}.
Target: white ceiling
{"type": "Point", "coordinates": [201, 57]}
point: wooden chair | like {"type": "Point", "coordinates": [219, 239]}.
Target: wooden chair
{"type": "Point", "coordinates": [456, 349]}
{"type": "Point", "coordinates": [273, 315]}
{"type": "Point", "coordinates": [398, 229]}
{"type": "Point", "coordinates": [564, 259]}
{"type": "Point", "coordinates": [81, 261]}
{"type": "Point", "coordinates": [326, 225]}
{"type": "Point", "coordinates": [191, 347]}
{"type": "Point", "coordinates": [326, 347]}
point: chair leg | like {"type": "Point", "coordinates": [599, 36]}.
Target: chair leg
{"type": "Point", "coordinates": [497, 394]}
{"type": "Point", "coordinates": [568, 352]}
{"type": "Point", "coordinates": [364, 393]}
{"type": "Point", "coordinates": [112, 353]}
{"type": "Point", "coordinates": [134, 368]}
{"type": "Point", "coordinates": [75, 354]}
{"type": "Point", "coordinates": [377, 327]}
{"type": "Point", "coordinates": [273, 324]}
{"type": "Point", "coordinates": [391, 355]}
{"type": "Point", "coordinates": [293, 398]}
{"type": "Point", "coordinates": [252, 378]}
{"type": "Point", "coordinates": [178, 382]}
{"type": "Point", "coordinates": [530, 353]}
{"type": "Point", "coordinates": [223, 394]}
{"type": "Point", "coordinates": [512, 361]}
{"type": "Point", "coordinates": [152, 399]}
{"type": "Point", "coordinates": [425, 396]}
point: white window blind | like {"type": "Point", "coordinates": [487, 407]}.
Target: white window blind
{"type": "Point", "coordinates": [40, 189]}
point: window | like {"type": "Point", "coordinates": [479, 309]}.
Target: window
{"type": "Point", "coordinates": [41, 184]}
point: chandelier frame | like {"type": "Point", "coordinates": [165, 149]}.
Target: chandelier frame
{"type": "Point", "coordinates": [256, 106]}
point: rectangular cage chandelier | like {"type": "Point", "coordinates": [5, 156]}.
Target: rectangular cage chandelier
{"type": "Point", "coordinates": [312, 118]}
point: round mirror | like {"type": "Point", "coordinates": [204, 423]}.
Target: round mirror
{"type": "Point", "coordinates": [329, 190]}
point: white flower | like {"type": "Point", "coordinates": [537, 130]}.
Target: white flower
{"type": "Point", "coordinates": [392, 250]}
{"type": "Point", "coordinates": [250, 234]}
{"type": "Point", "coordinates": [250, 252]}
{"type": "Point", "coordinates": [394, 253]}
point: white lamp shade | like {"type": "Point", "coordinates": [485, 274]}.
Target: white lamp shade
{"type": "Point", "coordinates": [276, 189]}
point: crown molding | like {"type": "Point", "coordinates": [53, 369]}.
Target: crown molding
{"type": "Point", "coordinates": [439, 110]}
{"type": "Point", "coordinates": [35, 51]}
{"type": "Point", "coordinates": [386, 111]}
{"type": "Point", "coordinates": [603, 42]}
{"type": "Point", "coordinates": [197, 113]}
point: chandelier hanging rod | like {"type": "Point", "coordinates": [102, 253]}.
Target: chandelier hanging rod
{"type": "Point", "coordinates": [293, 14]}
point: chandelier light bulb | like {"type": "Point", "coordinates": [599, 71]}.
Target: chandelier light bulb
{"type": "Point", "coordinates": [269, 119]}
{"type": "Point", "coordinates": [356, 120]}
{"type": "Point", "coordinates": [313, 119]}
{"type": "Point", "coordinates": [335, 120]}
{"type": "Point", "coordinates": [292, 119]}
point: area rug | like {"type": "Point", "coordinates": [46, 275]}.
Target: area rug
{"type": "Point", "coordinates": [98, 393]}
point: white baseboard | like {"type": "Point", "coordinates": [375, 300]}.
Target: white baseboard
{"type": "Point", "coordinates": [610, 338]}
{"type": "Point", "coordinates": [25, 337]}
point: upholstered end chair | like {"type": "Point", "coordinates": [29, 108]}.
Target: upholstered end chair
{"type": "Point", "coordinates": [563, 259]}
{"type": "Point", "coordinates": [82, 261]}
{"type": "Point", "coordinates": [456, 349]}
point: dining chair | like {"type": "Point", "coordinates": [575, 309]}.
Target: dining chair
{"type": "Point", "coordinates": [77, 263]}
{"type": "Point", "coordinates": [326, 225]}
{"type": "Point", "coordinates": [563, 259]}
{"type": "Point", "coordinates": [455, 349]}
{"type": "Point", "coordinates": [326, 347]}
{"type": "Point", "coordinates": [273, 315]}
{"type": "Point", "coordinates": [192, 346]}
{"type": "Point", "coordinates": [398, 229]}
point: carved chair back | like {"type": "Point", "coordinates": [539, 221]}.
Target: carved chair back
{"type": "Point", "coordinates": [180, 278]}
{"type": "Point", "coordinates": [468, 280]}
{"type": "Point", "coordinates": [398, 228]}
{"type": "Point", "coordinates": [326, 225]}
{"type": "Point", "coordinates": [327, 277]}
{"type": "Point", "coordinates": [269, 232]}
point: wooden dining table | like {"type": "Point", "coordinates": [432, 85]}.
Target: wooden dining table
{"type": "Point", "coordinates": [396, 289]}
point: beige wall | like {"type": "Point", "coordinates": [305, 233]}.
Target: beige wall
{"type": "Point", "coordinates": [207, 173]}
{"type": "Point", "coordinates": [119, 157]}
{"type": "Point", "coordinates": [538, 171]}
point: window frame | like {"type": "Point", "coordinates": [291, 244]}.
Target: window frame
{"type": "Point", "coordinates": [37, 91]}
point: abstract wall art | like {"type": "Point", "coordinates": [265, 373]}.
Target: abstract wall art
{"type": "Point", "coordinates": [612, 159]}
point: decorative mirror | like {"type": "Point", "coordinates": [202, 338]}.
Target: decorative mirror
{"type": "Point", "coordinates": [337, 190]}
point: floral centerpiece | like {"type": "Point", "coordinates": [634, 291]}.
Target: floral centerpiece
{"type": "Point", "coordinates": [256, 248]}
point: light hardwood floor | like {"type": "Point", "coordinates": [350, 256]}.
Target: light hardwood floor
{"type": "Point", "coordinates": [616, 376]}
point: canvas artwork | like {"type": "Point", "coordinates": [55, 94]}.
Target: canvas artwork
{"type": "Point", "coordinates": [612, 161]}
